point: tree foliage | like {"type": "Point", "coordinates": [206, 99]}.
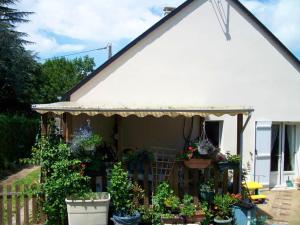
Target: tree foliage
{"type": "Point", "coordinates": [18, 66]}
{"type": "Point", "coordinates": [23, 80]}
{"type": "Point", "coordinates": [59, 75]}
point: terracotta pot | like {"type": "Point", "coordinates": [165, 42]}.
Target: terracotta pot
{"type": "Point", "coordinates": [195, 219]}
{"type": "Point", "coordinates": [178, 220]}
{"type": "Point", "coordinates": [197, 163]}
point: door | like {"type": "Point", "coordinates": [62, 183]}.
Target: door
{"type": "Point", "coordinates": [283, 147]}
{"type": "Point", "coordinates": [262, 152]}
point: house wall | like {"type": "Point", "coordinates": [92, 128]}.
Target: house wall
{"type": "Point", "coordinates": [163, 132]}
{"type": "Point", "coordinates": [208, 54]}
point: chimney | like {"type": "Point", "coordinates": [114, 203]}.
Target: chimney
{"type": "Point", "coordinates": [168, 9]}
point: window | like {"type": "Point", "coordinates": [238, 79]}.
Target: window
{"type": "Point", "coordinates": [213, 131]}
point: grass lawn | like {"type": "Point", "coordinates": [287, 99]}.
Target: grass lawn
{"type": "Point", "coordinates": [31, 178]}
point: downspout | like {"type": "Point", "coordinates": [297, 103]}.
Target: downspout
{"type": "Point", "coordinates": [241, 150]}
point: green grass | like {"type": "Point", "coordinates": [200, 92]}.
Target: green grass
{"type": "Point", "coordinates": [31, 178]}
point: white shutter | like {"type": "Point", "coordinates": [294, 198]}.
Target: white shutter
{"type": "Point", "coordinates": [263, 152]}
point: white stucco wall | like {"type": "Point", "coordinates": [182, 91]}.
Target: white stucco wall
{"type": "Point", "coordinates": [190, 61]}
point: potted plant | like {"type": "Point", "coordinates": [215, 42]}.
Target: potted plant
{"type": "Point", "coordinates": [172, 204]}
{"type": "Point", "coordinates": [90, 143]}
{"type": "Point", "coordinates": [85, 140]}
{"type": "Point", "coordinates": [243, 209]}
{"type": "Point", "coordinates": [209, 216]}
{"type": "Point", "coordinates": [193, 160]}
{"type": "Point", "coordinates": [169, 218]}
{"type": "Point", "coordinates": [135, 160]}
{"type": "Point", "coordinates": [205, 147]}
{"type": "Point", "coordinates": [230, 162]}
{"type": "Point", "coordinates": [223, 209]}
{"type": "Point", "coordinates": [121, 189]}
{"type": "Point", "coordinates": [147, 215]}
{"type": "Point", "coordinates": [165, 205]}
{"type": "Point", "coordinates": [206, 191]}
{"type": "Point", "coordinates": [189, 210]}
{"type": "Point", "coordinates": [88, 208]}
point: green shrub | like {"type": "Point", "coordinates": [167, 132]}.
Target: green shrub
{"type": "Point", "coordinates": [17, 135]}
{"type": "Point", "coordinates": [120, 188]}
{"type": "Point", "coordinates": [188, 208]}
{"type": "Point", "coordinates": [63, 176]}
{"type": "Point", "coordinates": [162, 193]}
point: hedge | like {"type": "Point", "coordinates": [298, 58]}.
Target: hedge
{"type": "Point", "coordinates": [17, 135]}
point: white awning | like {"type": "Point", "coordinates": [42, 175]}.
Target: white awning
{"type": "Point", "coordinates": [75, 108]}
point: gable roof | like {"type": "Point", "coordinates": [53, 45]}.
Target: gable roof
{"type": "Point", "coordinates": [290, 56]}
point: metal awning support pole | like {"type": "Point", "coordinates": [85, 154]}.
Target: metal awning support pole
{"type": "Point", "coordinates": [240, 146]}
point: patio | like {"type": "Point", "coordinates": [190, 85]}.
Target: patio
{"type": "Point", "coordinates": [165, 166]}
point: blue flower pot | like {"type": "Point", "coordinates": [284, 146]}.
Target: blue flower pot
{"type": "Point", "coordinates": [127, 220]}
{"type": "Point", "coordinates": [243, 215]}
{"type": "Point", "coordinates": [223, 222]}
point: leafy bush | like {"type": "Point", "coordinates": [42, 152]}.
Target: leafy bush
{"type": "Point", "coordinates": [232, 158]}
{"type": "Point", "coordinates": [162, 193]}
{"type": "Point", "coordinates": [17, 135]}
{"type": "Point", "coordinates": [172, 202]}
{"type": "Point", "coordinates": [147, 214]}
{"type": "Point", "coordinates": [62, 177]}
{"type": "Point", "coordinates": [188, 208]}
{"type": "Point", "coordinates": [120, 188]}
{"type": "Point", "coordinates": [223, 206]}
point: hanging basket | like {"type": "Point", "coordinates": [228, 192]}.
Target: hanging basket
{"type": "Point", "coordinates": [197, 163]}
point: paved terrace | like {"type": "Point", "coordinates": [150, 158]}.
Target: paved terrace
{"type": "Point", "coordinates": [282, 208]}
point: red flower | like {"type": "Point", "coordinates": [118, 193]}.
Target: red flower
{"type": "Point", "coordinates": [190, 148]}
{"type": "Point", "coordinates": [82, 165]}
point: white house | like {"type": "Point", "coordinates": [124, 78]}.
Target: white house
{"type": "Point", "coordinates": [206, 55]}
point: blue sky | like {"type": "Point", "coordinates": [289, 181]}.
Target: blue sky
{"type": "Point", "coordinates": [60, 27]}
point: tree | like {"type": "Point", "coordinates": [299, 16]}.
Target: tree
{"type": "Point", "coordinates": [18, 67]}
{"type": "Point", "coordinates": [60, 74]}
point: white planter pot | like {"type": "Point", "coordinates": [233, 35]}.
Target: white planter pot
{"type": "Point", "coordinates": [88, 212]}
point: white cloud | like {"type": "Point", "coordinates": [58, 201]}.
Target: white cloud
{"type": "Point", "coordinates": [102, 21]}
{"type": "Point", "coordinates": [282, 17]}
{"type": "Point", "coordinates": [99, 21]}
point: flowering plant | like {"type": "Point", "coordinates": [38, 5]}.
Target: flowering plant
{"type": "Point", "coordinates": [189, 153]}
{"type": "Point", "coordinates": [199, 149]}
{"type": "Point", "coordinates": [84, 139]}
{"type": "Point", "coordinates": [205, 147]}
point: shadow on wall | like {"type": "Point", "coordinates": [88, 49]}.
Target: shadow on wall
{"type": "Point", "coordinates": [222, 15]}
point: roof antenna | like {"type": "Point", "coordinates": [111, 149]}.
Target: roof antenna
{"type": "Point", "coordinates": [109, 50]}
{"type": "Point", "coordinates": [168, 9]}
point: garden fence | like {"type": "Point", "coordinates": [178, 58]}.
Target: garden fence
{"type": "Point", "coordinates": [19, 206]}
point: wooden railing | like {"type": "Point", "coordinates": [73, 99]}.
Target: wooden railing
{"type": "Point", "coordinates": [19, 206]}
{"type": "Point", "coordinates": [183, 180]}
